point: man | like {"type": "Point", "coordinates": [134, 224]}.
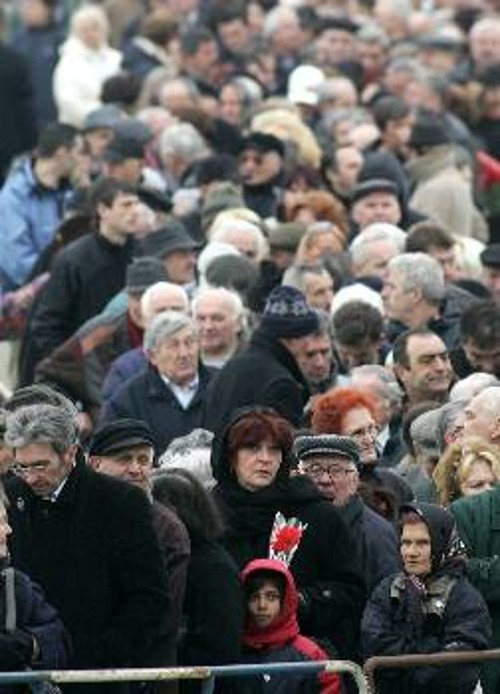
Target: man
{"type": "Point", "coordinates": [314, 281]}
{"type": "Point", "coordinates": [317, 361]}
{"type": "Point", "coordinates": [176, 249]}
{"type": "Point", "coordinates": [422, 365]}
{"type": "Point", "coordinates": [394, 119]}
{"type": "Point", "coordinates": [245, 236]}
{"type": "Point", "coordinates": [170, 393]}
{"type": "Point", "coordinates": [90, 271]}
{"type": "Point", "coordinates": [373, 248]}
{"type": "Point", "coordinates": [357, 330]}
{"type": "Point", "coordinates": [86, 538]}
{"type": "Point", "coordinates": [124, 449]}
{"type": "Point", "coordinates": [375, 201]}
{"type": "Point", "coordinates": [261, 170]}
{"type": "Point", "coordinates": [332, 463]}
{"type": "Point", "coordinates": [159, 297]}
{"type": "Point", "coordinates": [414, 294]}
{"type": "Point", "coordinates": [218, 315]}
{"type": "Point", "coordinates": [32, 203]}
{"type": "Point", "coordinates": [435, 240]}
{"type": "Point", "coordinates": [480, 340]}
{"type": "Point", "coordinates": [199, 56]}
{"type": "Point", "coordinates": [79, 366]}
{"type": "Point", "coordinates": [341, 170]}
{"type": "Point", "coordinates": [490, 260]}
{"type": "Point", "coordinates": [273, 354]}
{"type": "Point", "coordinates": [482, 415]}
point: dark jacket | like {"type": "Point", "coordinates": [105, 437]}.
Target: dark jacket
{"type": "Point", "coordinates": [128, 364]}
{"type": "Point", "coordinates": [85, 276]}
{"type": "Point", "coordinates": [265, 373]}
{"type": "Point", "coordinates": [281, 642]}
{"type": "Point", "coordinates": [325, 567]}
{"type": "Point", "coordinates": [438, 611]}
{"type": "Point", "coordinates": [94, 553]}
{"type": "Point", "coordinates": [147, 397]}
{"type": "Point", "coordinates": [35, 616]}
{"type": "Point", "coordinates": [17, 116]}
{"type": "Point", "coordinates": [376, 542]}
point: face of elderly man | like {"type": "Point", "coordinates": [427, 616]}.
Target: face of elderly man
{"type": "Point", "coordinates": [482, 416]}
{"type": "Point", "coordinates": [43, 468]}
{"type": "Point", "coordinates": [398, 301]}
{"type": "Point", "coordinates": [176, 356]}
{"type": "Point", "coordinates": [218, 325]}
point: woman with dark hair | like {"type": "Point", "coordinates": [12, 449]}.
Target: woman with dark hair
{"type": "Point", "coordinates": [427, 608]}
{"type": "Point", "coordinates": [213, 604]}
{"type": "Point", "coordinates": [347, 411]}
{"type": "Point", "coordinates": [251, 461]}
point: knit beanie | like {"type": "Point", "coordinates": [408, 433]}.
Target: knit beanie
{"type": "Point", "coordinates": [287, 314]}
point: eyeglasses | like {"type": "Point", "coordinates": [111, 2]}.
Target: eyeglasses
{"type": "Point", "coordinates": [317, 470]}
{"type": "Point", "coordinates": [22, 470]}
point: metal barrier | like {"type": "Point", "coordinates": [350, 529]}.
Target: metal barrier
{"type": "Point", "coordinates": [421, 660]}
{"type": "Point", "coordinates": [207, 674]}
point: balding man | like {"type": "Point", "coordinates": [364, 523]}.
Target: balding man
{"type": "Point", "coordinates": [482, 415]}
{"type": "Point", "coordinates": [373, 248]}
{"type": "Point", "coordinates": [161, 296]}
{"type": "Point", "coordinates": [218, 315]}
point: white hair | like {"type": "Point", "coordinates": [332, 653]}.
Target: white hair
{"type": "Point", "coordinates": [275, 19]}
{"type": "Point", "coordinates": [467, 388]}
{"type": "Point", "coordinates": [213, 250]}
{"type": "Point", "coordinates": [89, 14]}
{"type": "Point", "coordinates": [222, 231]}
{"type": "Point", "coordinates": [356, 292]}
{"type": "Point", "coordinates": [380, 231]}
{"type": "Point", "coordinates": [484, 25]}
{"type": "Point", "coordinates": [420, 271]}
{"type": "Point", "coordinates": [231, 299]}
{"type": "Point", "coordinates": [182, 140]}
{"type": "Point", "coordinates": [167, 290]}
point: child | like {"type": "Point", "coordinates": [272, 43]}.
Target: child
{"type": "Point", "coordinates": [272, 632]}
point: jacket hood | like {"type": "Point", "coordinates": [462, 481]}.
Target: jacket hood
{"type": "Point", "coordinates": [447, 549]}
{"type": "Point", "coordinates": [221, 466]}
{"type": "Point", "coordinates": [285, 628]}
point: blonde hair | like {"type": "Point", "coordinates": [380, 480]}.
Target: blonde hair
{"type": "Point", "coordinates": [455, 465]}
{"type": "Point", "coordinates": [287, 126]}
{"type": "Point", "coordinates": [92, 14]}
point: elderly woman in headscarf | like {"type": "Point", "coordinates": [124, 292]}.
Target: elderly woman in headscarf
{"type": "Point", "coordinates": [427, 608]}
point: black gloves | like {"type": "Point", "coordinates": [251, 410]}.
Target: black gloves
{"type": "Point", "coordinates": [16, 650]}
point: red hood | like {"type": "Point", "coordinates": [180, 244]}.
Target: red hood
{"type": "Point", "coordinates": [286, 627]}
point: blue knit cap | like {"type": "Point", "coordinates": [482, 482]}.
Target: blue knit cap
{"type": "Point", "coordinates": [287, 314]}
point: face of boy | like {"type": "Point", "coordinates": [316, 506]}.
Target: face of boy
{"type": "Point", "coordinates": [264, 605]}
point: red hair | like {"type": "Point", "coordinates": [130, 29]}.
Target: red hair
{"type": "Point", "coordinates": [330, 409]}
{"type": "Point", "coordinates": [255, 427]}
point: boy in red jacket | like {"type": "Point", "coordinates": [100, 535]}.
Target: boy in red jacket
{"type": "Point", "coordinates": [272, 632]}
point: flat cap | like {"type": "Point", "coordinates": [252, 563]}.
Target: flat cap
{"type": "Point", "coordinates": [286, 236]}
{"type": "Point", "coordinates": [120, 434]}
{"type": "Point", "coordinates": [328, 444]}
{"type": "Point", "coordinates": [172, 237]}
{"type": "Point", "coordinates": [263, 142]}
{"type": "Point", "coordinates": [107, 116]}
{"type": "Point", "coordinates": [144, 272]}
{"type": "Point", "coordinates": [374, 185]}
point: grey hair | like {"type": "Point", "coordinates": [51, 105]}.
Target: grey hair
{"type": "Point", "coordinates": [372, 33]}
{"type": "Point", "coordinates": [163, 326]}
{"type": "Point", "coordinates": [182, 140]}
{"type": "Point", "coordinates": [275, 18]}
{"type": "Point", "coordinates": [295, 275]}
{"type": "Point", "coordinates": [420, 271]}
{"type": "Point", "coordinates": [192, 453]}
{"type": "Point", "coordinates": [49, 424]}
{"type": "Point", "coordinates": [389, 383]}
{"type": "Point", "coordinates": [221, 231]}
{"type": "Point", "coordinates": [483, 25]}
{"type": "Point", "coordinates": [231, 299]}
{"type": "Point", "coordinates": [155, 290]}
{"type": "Point", "coordinates": [379, 231]}
{"type": "Point", "coordinates": [466, 388]}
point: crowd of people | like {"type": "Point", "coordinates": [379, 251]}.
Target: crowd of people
{"type": "Point", "coordinates": [250, 337]}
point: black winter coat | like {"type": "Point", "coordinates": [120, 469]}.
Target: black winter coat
{"type": "Point", "coordinates": [85, 276]}
{"type": "Point", "coordinates": [94, 552]}
{"type": "Point", "coordinates": [147, 397]}
{"type": "Point", "coordinates": [265, 373]}
{"type": "Point", "coordinates": [398, 620]}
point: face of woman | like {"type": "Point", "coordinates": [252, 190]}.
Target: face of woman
{"type": "Point", "coordinates": [479, 479]}
{"type": "Point", "coordinates": [256, 466]}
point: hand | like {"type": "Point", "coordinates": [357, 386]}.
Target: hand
{"type": "Point", "coordinates": [16, 650]}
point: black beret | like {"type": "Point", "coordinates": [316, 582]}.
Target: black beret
{"type": "Point", "coordinates": [120, 434]}
{"type": "Point", "coordinates": [263, 142]}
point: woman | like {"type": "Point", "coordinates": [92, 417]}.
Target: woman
{"type": "Point", "coordinates": [427, 608]}
{"type": "Point", "coordinates": [467, 468]}
{"type": "Point", "coordinates": [213, 605]}
{"type": "Point", "coordinates": [350, 412]}
{"type": "Point", "coordinates": [251, 462]}
{"type": "Point", "coordinates": [86, 62]}
{"type": "Point", "coordinates": [33, 637]}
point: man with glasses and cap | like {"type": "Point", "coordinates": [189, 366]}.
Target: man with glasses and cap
{"type": "Point", "coordinates": [332, 463]}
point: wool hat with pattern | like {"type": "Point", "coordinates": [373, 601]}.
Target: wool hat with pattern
{"type": "Point", "coordinates": [287, 314]}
